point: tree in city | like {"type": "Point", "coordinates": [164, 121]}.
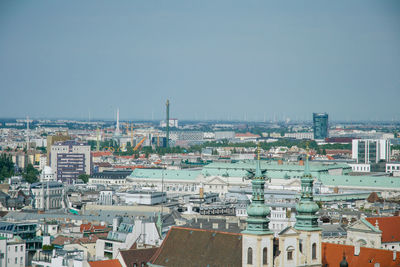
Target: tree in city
{"type": "Point", "coordinates": [84, 177]}
{"type": "Point", "coordinates": [6, 166]}
{"type": "Point", "coordinates": [30, 174]}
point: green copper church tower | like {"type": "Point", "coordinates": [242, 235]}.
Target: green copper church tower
{"type": "Point", "coordinates": [257, 211]}
{"type": "Point", "coordinates": [306, 218]}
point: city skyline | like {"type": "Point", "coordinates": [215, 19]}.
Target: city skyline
{"type": "Point", "coordinates": [214, 61]}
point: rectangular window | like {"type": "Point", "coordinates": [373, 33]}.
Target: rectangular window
{"type": "Point", "coordinates": [290, 255]}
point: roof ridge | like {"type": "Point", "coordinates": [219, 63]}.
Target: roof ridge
{"type": "Point", "coordinates": [205, 230]}
{"type": "Point", "coordinates": [155, 256]}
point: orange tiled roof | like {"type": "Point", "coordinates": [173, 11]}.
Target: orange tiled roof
{"type": "Point", "coordinates": [246, 135]}
{"type": "Point", "coordinates": [90, 227]}
{"type": "Point", "coordinates": [389, 226]}
{"type": "Point", "coordinates": [106, 263]}
{"type": "Point", "coordinates": [101, 153]}
{"type": "Point", "coordinates": [332, 255]}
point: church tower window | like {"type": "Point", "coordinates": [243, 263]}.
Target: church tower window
{"type": "Point", "coordinates": [249, 256]}
{"type": "Point", "coordinates": [314, 251]}
{"type": "Point", "coordinates": [265, 256]}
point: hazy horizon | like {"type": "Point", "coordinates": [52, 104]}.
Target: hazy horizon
{"type": "Point", "coordinates": [214, 60]}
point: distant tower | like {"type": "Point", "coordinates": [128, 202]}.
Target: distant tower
{"type": "Point", "coordinates": [117, 132]}
{"type": "Point", "coordinates": [320, 125]}
{"type": "Point", "coordinates": [117, 127]}
{"type": "Point", "coordinates": [167, 123]}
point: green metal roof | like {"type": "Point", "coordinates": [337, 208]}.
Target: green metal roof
{"type": "Point", "coordinates": [274, 170]}
{"type": "Point", "coordinates": [360, 181]}
{"type": "Point", "coordinates": [187, 175]}
{"type": "Point", "coordinates": [370, 226]}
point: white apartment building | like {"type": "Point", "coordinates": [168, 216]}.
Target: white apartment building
{"type": "Point", "coordinates": [370, 150]}
{"type": "Point", "coordinates": [124, 235]}
{"type": "Point", "coordinates": [12, 252]}
{"type": "Point", "coordinates": [300, 135]}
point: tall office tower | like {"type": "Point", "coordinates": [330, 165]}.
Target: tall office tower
{"type": "Point", "coordinates": [69, 159]}
{"type": "Point", "coordinates": [320, 123]}
{"type": "Point", "coordinates": [370, 151]}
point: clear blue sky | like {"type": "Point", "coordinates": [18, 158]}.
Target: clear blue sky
{"type": "Point", "coordinates": [212, 59]}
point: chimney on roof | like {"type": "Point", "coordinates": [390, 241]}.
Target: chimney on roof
{"type": "Point", "coordinates": [376, 224]}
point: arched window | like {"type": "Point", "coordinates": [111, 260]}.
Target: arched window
{"type": "Point", "coordinates": [265, 256]}
{"type": "Point", "coordinates": [289, 251]}
{"type": "Point", "coordinates": [314, 251]}
{"type": "Point", "coordinates": [249, 256]}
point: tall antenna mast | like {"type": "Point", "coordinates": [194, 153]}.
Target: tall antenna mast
{"type": "Point", "coordinates": [117, 128]}
{"type": "Point", "coordinates": [167, 123]}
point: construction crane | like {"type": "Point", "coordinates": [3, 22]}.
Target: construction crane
{"type": "Point", "coordinates": [139, 144]}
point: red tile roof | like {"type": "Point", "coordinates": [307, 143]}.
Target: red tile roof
{"type": "Point", "coordinates": [332, 255]}
{"type": "Point", "coordinates": [106, 263]}
{"type": "Point", "coordinates": [247, 135]}
{"type": "Point", "coordinates": [101, 153]}
{"type": "Point", "coordinates": [390, 227]}
{"type": "Point", "coordinates": [187, 246]}
{"type": "Point", "coordinates": [88, 227]}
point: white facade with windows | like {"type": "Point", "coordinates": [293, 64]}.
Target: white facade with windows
{"type": "Point", "coordinates": [47, 195]}
{"type": "Point", "coordinates": [394, 168]}
{"type": "Point", "coordinates": [370, 150]}
{"type": "Point", "coordinates": [12, 252]}
{"type": "Point", "coordinates": [360, 167]}
{"type": "Point", "coordinates": [106, 198]}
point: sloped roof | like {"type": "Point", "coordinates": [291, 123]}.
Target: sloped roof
{"type": "Point", "coordinates": [106, 263]}
{"type": "Point", "coordinates": [88, 227]}
{"type": "Point", "coordinates": [373, 197]}
{"type": "Point", "coordinates": [332, 255]}
{"type": "Point", "coordinates": [187, 246]}
{"type": "Point", "coordinates": [137, 256]}
{"type": "Point", "coordinates": [61, 240]}
{"type": "Point", "coordinates": [389, 226]}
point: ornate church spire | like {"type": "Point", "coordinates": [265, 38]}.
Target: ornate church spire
{"type": "Point", "coordinates": [306, 218]}
{"type": "Point", "coordinates": [257, 211]}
